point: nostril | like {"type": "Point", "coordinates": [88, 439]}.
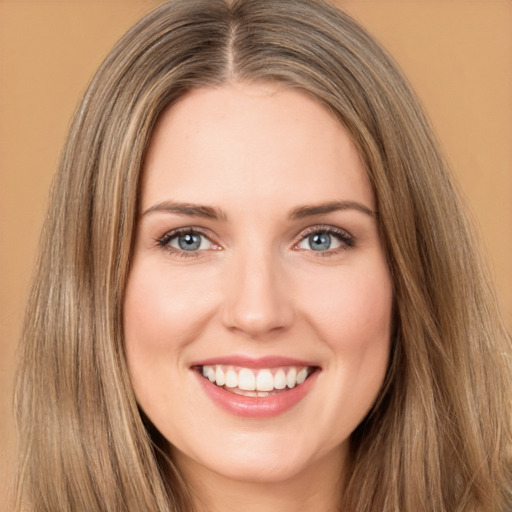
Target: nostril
{"type": "Point", "coordinates": [257, 320]}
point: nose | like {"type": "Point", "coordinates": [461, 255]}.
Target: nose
{"type": "Point", "coordinates": [257, 300]}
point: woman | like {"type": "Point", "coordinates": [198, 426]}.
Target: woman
{"type": "Point", "coordinates": [257, 287]}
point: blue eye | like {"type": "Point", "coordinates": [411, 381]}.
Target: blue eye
{"type": "Point", "coordinates": [327, 240]}
{"type": "Point", "coordinates": [185, 241]}
{"type": "Point", "coordinates": [188, 241]}
{"type": "Point", "coordinates": [319, 241]}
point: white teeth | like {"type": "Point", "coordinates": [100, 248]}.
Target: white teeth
{"type": "Point", "coordinates": [241, 392]}
{"type": "Point", "coordinates": [291, 378]}
{"type": "Point", "coordinates": [231, 379]}
{"type": "Point", "coordinates": [301, 375]}
{"type": "Point", "coordinates": [264, 381]}
{"type": "Point", "coordinates": [246, 380]}
{"type": "Point", "coordinates": [220, 379]}
{"type": "Point", "coordinates": [211, 374]}
{"type": "Point", "coordinates": [280, 379]}
{"type": "Point", "coordinates": [255, 382]}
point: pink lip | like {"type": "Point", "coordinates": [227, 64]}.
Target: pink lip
{"type": "Point", "coordinates": [252, 362]}
{"type": "Point", "coordinates": [255, 407]}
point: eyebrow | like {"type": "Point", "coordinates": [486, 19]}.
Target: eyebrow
{"type": "Point", "coordinates": [300, 212]}
{"type": "Point", "coordinates": [329, 207]}
{"type": "Point", "coordinates": [188, 209]}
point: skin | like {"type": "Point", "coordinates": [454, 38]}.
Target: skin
{"type": "Point", "coordinates": [255, 287]}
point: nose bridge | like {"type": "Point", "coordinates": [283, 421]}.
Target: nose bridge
{"type": "Point", "coordinates": [256, 299]}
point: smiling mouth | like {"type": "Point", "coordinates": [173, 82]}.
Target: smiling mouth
{"type": "Point", "coordinates": [253, 382]}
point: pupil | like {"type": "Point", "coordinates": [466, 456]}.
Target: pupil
{"type": "Point", "coordinates": [189, 242]}
{"type": "Point", "coordinates": [320, 241]}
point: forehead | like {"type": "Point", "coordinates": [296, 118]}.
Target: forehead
{"type": "Point", "coordinates": [255, 143]}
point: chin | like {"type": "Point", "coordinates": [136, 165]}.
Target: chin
{"type": "Point", "coordinates": [258, 457]}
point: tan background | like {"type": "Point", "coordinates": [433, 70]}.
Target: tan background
{"type": "Point", "coordinates": [458, 55]}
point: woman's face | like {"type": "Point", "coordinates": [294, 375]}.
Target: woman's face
{"type": "Point", "coordinates": [257, 264]}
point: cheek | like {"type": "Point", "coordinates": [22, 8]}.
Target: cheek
{"type": "Point", "coordinates": [352, 309]}
{"type": "Point", "coordinates": [352, 316]}
{"type": "Point", "coordinates": [163, 312]}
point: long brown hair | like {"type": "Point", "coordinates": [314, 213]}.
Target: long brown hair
{"type": "Point", "coordinates": [438, 437]}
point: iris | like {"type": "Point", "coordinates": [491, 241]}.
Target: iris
{"type": "Point", "coordinates": [189, 241]}
{"type": "Point", "coordinates": [319, 241]}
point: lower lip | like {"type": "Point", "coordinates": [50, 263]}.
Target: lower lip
{"type": "Point", "coordinates": [257, 407]}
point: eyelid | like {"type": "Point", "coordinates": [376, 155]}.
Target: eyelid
{"type": "Point", "coordinates": [163, 241]}
{"type": "Point", "coordinates": [347, 240]}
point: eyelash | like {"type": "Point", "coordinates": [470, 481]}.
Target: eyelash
{"type": "Point", "coordinates": [164, 241]}
{"type": "Point", "coordinates": [347, 241]}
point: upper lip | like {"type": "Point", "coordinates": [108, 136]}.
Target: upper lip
{"type": "Point", "coordinates": [253, 362]}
